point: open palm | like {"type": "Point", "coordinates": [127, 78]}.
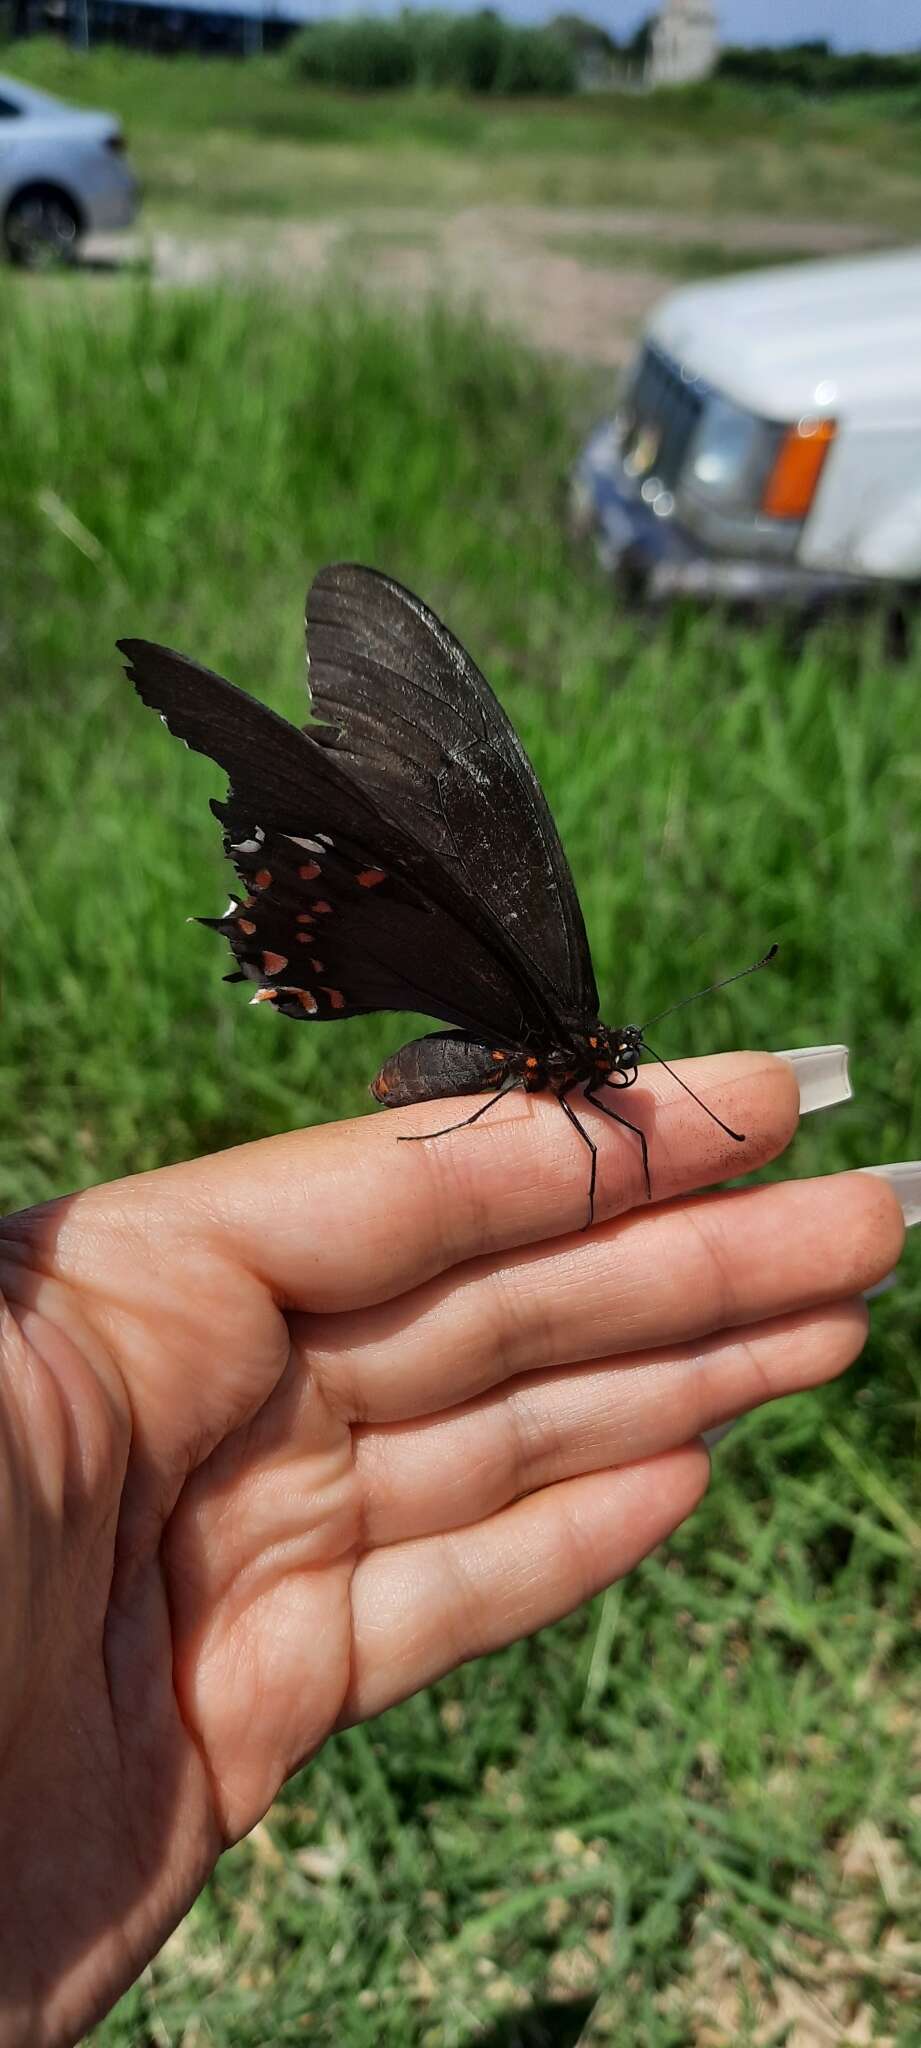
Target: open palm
{"type": "Point", "coordinates": [289, 1432]}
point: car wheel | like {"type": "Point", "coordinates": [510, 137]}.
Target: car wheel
{"type": "Point", "coordinates": [41, 230]}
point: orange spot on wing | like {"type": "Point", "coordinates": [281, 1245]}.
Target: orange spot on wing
{"type": "Point", "coordinates": [317, 966]}
{"type": "Point", "coordinates": [369, 878]}
{"type": "Point", "coordinates": [530, 1061]}
{"type": "Point", "coordinates": [336, 997]}
{"type": "Point", "coordinates": [322, 907]}
{"type": "Point", "coordinates": [310, 869]}
{"type": "Point", "coordinates": [264, 878]}
{"type": "Point", "coordinates": [245, 924]}
{"type": "Point", "coordinates": [266, 995]}
{"type": "Point", "coordinates": [308, 1002]}
{"type": "Point", "coordinates": [381, 1087]}
{"type": "Point", "coordinates": [274, 963]}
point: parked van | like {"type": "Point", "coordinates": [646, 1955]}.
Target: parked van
{"type": "Point", "coordinates": [767, 440]}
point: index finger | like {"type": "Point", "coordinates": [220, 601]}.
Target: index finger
{"type": "Point", "coordinates": [342, 1215]}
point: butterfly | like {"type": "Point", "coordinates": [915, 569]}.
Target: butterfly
{"type": "Point", "coordinates": [399, 854]}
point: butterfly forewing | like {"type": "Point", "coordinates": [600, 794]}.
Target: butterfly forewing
{"type": "Point", "coordinates": [409, 714]}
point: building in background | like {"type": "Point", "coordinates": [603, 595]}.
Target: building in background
{"type": "Point", "coordinates": [219, 27]}
{"type": "Point", "coordinates": [683, 43]}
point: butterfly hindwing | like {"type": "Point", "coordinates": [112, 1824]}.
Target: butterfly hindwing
{"type": "Point", "coordinates": [325, 877]}
{"type": "Point", "coordinates": [406, 710]}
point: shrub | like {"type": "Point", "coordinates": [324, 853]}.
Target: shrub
{"type": "Point", "coordinates": [536, 60]}
{"type": "Point", "coordinates": [812, 67]}
{"type": "Point", "coordinates": [363, 54]}
{"type": "Point", "coordinates": [474, 53]}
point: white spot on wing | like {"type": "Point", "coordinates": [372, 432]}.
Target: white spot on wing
{"type": "Point", "coordinates": [246, 845]}
{"type": "Point", "coordinates": [309, 845]}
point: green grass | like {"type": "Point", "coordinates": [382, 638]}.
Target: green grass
{"type": "Point", "coordinates": [235, 137]}
{"type": "Point", "coordinates": [698, 1758]}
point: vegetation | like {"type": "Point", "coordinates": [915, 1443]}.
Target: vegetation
{"type": "Point", "coordinates": [699, 1789]}
{"type": "Point", "coordinates": [214, 142]}
{"type": "Point", "coordinates": [813, 67]}
{"type": "Point", "coordinates": [471, 53]}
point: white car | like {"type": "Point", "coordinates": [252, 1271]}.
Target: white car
{"type": "Point", "coordinates": [767, 442]}
{"type": "Point", "coordinates": [63, 174]}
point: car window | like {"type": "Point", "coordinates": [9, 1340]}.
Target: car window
{"type": "Point", "coordinates": [8, 109]}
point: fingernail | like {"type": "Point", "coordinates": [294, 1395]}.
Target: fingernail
{"type": "Point", "coordinates": [822, 1075]}
{"type": "Point", "coordinates": [714, 1436]}
{"type": "Point", "coordinates": [904, 1178]}
{"type": "Point", "coordinates": [883, 1286]}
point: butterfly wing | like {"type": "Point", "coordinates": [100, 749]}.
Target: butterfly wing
{"type": "Point", "coordinates": [408, 713]}
{"type": "Point", "coordinates": [336, 918]}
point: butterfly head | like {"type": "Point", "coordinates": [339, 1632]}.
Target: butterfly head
{"type": "Point", "coordinates": [614, 1051]}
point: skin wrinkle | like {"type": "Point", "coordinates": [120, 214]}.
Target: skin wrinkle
{"type": "Point", "coordinates": [337, 1375]}
{"type": "Point", "coordinates": [516, 1550]}
{"type": "Point", "coordinates": [466, 1222]}
{"type": "Point", "coordinates": [719, 1289]}
{"type": "Point", "coordinates": [530, 1443]}
{"type": "Point", "coordinates": [749, 1350]}
{"type": "Point", "coordinates": [509, 1314]}
{"type": "Point", "coordinates": [610, 1298]}
{"type": "Point", "coordinates": [464, 1602]}
{"type": "Point", "coordinates": [467, 1459]}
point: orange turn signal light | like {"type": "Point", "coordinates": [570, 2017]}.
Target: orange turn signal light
{"type": "Point", "coordinates": [796, 469]}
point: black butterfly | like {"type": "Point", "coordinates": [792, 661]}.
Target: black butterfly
{"type": "Point", "coordinates": [400, 855]}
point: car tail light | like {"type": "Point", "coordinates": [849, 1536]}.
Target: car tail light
{"type": "Point", "coordinates": [116, 142]}
{"type": "Point", "coordinates": [796, 468]}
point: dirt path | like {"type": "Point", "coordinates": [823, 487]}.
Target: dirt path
{"type": "Point", "coordinates": [586, 302]}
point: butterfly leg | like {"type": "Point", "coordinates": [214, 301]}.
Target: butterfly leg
{"type": "Point", "coordinates": [509, 1081]}
{"type": "Point", "coordinates": [594, 1152]}
{"type": "Point", "coordinates": [612, 1113]}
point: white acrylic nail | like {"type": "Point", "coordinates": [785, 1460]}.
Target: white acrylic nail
{"type": "Point", "coordinates": [883, 1286]}
{"type": "Point", "coordinates": [715, 1435]}
{"type": "Point", "coordinates": [904, 1178]}
{"type": "Point", "coordinates": [822, 1074]}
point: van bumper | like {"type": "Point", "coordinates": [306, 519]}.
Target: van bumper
{"type": "Point", "coordinates": [659, 559]}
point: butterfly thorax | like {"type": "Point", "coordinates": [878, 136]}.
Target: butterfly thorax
{"type": "Point", "coordinates": [587, 1057]}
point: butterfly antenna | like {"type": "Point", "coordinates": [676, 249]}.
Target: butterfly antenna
{"type": "Point", "coordinates": [714, 985]}
{"type": "Point", "coordinates": [739, 1136]}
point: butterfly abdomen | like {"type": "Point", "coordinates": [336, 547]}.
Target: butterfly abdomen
{"type": "Point", "coordinates": [443, 1063]}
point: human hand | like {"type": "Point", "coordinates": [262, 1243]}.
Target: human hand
{"type": "Point", "coordinates": [287, 1433]}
